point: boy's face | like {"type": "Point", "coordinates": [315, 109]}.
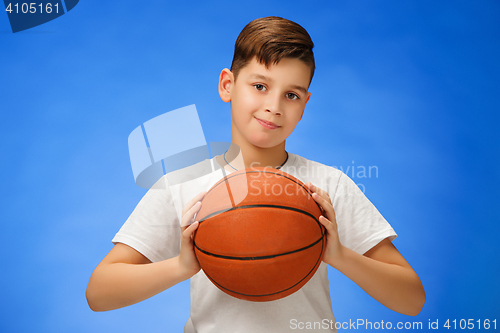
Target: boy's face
{"type": "Point", "coordinates": [266, 103]}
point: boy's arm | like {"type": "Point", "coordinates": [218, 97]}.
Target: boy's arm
{"type": "Point", "coordinates": [382, 271]}
{"type": "Point", "coordinates": [385, 275]}
{"type": "Point", "coordinates": [125, 276]}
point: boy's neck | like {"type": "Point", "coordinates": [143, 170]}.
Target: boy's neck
{"type": "Point", "coordinates": [250, 156]}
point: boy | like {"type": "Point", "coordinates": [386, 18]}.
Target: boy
{"type": "Point", "coordinates": [267, 86]}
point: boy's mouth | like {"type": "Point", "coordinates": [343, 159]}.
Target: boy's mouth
{"type": "Point", "coordinates": [267, 124]}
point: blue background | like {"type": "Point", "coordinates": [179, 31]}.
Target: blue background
{"type": "Point", "coordinates": [410, 87]}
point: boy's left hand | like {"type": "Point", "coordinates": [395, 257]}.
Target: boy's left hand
{"type": "Point", "coordinates": [333, 250]}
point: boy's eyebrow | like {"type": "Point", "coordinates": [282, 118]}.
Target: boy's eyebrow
{"type": "Point", "coordinates": [260, 77]}
{"type": "Point", "coordinates": [265, 78]}
{"type": "Point", "coordinates": [304, 90]}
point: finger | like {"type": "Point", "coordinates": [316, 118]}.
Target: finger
{"type": "Point", "coordinates": [329, 225]}
{"type": "Point", "coordinates": [320, 191]}
{"type": "Point", "coordinates": [325, 204]}
{"type": "Point", "coordinates": [322, 201]}
{"type": "Point", "coordinates": [188, 217]}
{"type": "Point", "coordinates": [188, 231]}
{"type": "Point", "coordinates": [193, 201]}
{"type": "Point", "coordinates": [311, 187]}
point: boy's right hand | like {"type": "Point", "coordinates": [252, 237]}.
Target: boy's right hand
{"type": "Point", "coordinates": [189, 265]}
{"type": "Point", "coordinates": [125, 276]}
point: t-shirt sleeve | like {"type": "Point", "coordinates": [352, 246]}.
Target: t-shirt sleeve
{"type": "Point", "coordinates": [360, 224]}
{"type": "Point", "coordinates": [153, 228]}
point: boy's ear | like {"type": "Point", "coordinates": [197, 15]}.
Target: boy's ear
{"type": "Point", "coordinates": [226, 80]}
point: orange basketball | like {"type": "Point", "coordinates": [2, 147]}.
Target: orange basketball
{"type": "Point", "coordinates": [259, 237]}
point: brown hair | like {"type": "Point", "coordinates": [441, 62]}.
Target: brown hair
{"type": "Point", "coordinates": [271, 39]}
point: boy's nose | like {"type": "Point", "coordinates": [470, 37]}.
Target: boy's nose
{"type": "Point", "coordinates": [273, 111]}
{"type": "Point", "coordinates": [273, 105]}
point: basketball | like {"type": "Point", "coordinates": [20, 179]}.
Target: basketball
{"type": "Point", "coordinates": [259, 237]}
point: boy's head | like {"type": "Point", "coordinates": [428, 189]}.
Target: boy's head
{"type": "Point", "coordinates": [274, 63]}
{"type": "Point", "coordinates": [269, 40]}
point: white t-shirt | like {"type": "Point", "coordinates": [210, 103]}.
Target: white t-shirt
{"type": "Point", "coordinates": [153, 229]}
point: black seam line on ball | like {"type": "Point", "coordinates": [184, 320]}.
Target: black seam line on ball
{"type": "Point", "coordinates": [259, 257]}
{"type": "Point", "coordinates": [260, 295]}
{"type": "Point", "coordinates": [322, 228]}
{"type": "Point", "coordinates": [259, 206]}
{"type": "Point", "coordinates": [275, 293]}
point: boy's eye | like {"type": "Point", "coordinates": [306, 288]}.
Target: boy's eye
{"type": "Point", "coordinates": [259, 87]}
{"type": "Point", "coordinates": [292, 96]}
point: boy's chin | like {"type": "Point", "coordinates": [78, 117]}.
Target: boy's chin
{"type": "Point", "coordinates": [263, 141]}
{"type": "Point", "coordinates": [265, 144]}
